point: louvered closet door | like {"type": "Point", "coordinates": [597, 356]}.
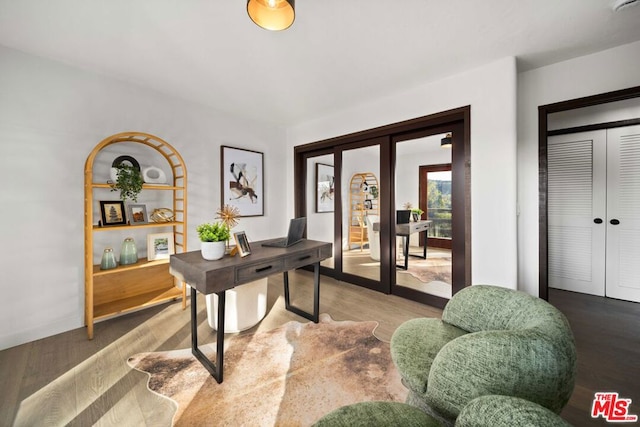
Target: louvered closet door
{"type": "Point", "coordinates": [623, 209]}
{"type": "Point", "coordinates": [576, 203]}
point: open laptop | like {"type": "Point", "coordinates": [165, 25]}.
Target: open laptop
{"type": "Point", "coordinates": [296, 230]}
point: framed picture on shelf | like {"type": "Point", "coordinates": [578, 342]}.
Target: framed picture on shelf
{"type": "Point", "coordinates": [368, 204]}
{"type": "Point", "coordinates": [137, 214]}
{"type": "Point", "coordinates": [160, 246]}
{"type": "Point", "coordinates": [112, 212]}
{"type": "Point", "coordinates": [242, 180]}
{"type": "Point", "coordinates": [325, 188]}
{"type": "Point", "coordinates": [242, 243]}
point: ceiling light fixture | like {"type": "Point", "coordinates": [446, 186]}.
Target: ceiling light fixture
{"type": "Point", "coordinates": [273, 15]}
{"type": "Point", "coordinates": [618, 5]}
{"type": "Point", "coordinates": [446, 141]}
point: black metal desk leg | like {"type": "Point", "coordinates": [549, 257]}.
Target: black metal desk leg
{"type": "Point", "coordinates": [316, 291]}
{"type": "Point", "coordinates": [214, 369]}
{"type": "Point", "coordinates": [424, 249]}
{"type": "Point", "coordinates": [315, 316]}
{"type": "Point", "coordinates": [405, 251]}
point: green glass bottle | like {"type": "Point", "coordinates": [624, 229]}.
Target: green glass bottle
{"type": "Point", "coordinates": [128, 253]}
{"type": "Point", "coordinates": [108, 260]}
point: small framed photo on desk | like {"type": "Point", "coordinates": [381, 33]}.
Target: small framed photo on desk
{"type": "Point", "coordinates": [242, 243]}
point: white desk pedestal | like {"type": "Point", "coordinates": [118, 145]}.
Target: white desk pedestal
{"type": "Point", "coordinates": [245, 306]}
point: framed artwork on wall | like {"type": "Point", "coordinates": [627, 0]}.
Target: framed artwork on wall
{"type": "Point", "coordinates": [242, 180]}
{"type": "Point", "coordinates": [160, 246]}
{"type": "Point", "coordinates": [112, 212]}
{"type": "Point", "coordinates": [325, 188]}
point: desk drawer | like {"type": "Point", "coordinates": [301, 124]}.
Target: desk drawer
{"type": "Point", "coordinates": [421, 227]}
{"type": "Point", "coordinates": [259, 270]}
{"type": "Point", "coordinates": [302, 259]}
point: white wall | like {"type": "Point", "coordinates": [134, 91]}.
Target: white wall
{"type": "Point", "coordinates": [51, 117]}
{"type": "Point", "coordinates": [410, 155]}
{"type": "Point", "coordinates": [602, 72]}
{"type": "Point", "coordinates": [491, 92]}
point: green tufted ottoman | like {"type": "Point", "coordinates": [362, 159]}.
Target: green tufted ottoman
{"type": "Point", "coordinates": [490, 341]}
{"type": "Point", "coordinates": [377, 414]}
{"type": "Point", "coordinates": [484, 411]}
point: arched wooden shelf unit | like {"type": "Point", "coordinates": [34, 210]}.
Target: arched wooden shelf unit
{"type": "Point", "coordinates": [363, 201]}
{"type": "Point", "coordinates": [145, 283]}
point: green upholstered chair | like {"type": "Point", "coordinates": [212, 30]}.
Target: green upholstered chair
{"type": "Point", "coordinates": [377, 414]}
{"type": "Point", "coordinates": [490, 341]}
{"type": "Point", "coordinates": [507, 411]}
{"type": "Point", "coordinates": [498, 357]}
{"type": "Point", "coordinates": [484, 411]}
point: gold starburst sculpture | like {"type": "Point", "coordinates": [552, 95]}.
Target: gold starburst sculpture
{"type": "Point", "coordinates": [228, 215]}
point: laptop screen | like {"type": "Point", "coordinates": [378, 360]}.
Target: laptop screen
{"type": "Point", "coordinates": [296, 229]}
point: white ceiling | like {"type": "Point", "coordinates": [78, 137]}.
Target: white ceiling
{"type": "Point", "coordinates": [336, 54]}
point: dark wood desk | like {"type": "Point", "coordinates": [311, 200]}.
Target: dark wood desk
{"type": "Point", "coordinates": [406, 230]}
{"type": "Point", "coordinates": [215, 277]}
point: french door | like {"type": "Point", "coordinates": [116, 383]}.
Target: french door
{"type": "Point", "coordinates": [623, 213]}
{"type": "Point", "coordinates": [366, 151]}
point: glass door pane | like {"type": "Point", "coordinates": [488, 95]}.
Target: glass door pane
{"type": "Point", "coordinates": [361, 212]}
{"type": "Point", "coordinates": [423, 204]}
{"type": "Point", "coordinates": [321, 201]}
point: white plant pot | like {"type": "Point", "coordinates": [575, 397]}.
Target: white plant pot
{"type": "Point", "coordinates": [212, 250]}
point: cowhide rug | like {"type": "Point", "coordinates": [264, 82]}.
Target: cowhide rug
{"type": "Point", "coordinates": [430, 269]}
{"type": "Point", "coordinates": [290, 376]}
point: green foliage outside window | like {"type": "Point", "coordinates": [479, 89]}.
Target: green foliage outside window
{"type": "Point", "coordinates": [439, 208]}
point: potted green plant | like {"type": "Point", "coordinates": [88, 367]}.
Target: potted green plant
{"type": "Point", "coordinates": [416, 213]}
{"type": "Point", "coordinates": [129, 181]}
{"type": "Point", "coordinates": [213, 237]}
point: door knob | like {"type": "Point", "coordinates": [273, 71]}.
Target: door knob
{"type": "Point", "coordinates": [614, 222]}
{"type": "Point", "coordinates": [598, 220]}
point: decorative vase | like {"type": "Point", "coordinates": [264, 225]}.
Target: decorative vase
{"type": "Point", "coordinates": [212, 250]}
{"type": "Point", "coordinates": [108, 260]}
{"type": "Point", "coordinates": [113, 172]}
{"type": "Point", "coordinates": [154, 175]}
{"type": "Point", "coordinates": [128, 253]}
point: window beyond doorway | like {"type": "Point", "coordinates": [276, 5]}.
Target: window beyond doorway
{"type": "Point", "coordinates": [436, 202]}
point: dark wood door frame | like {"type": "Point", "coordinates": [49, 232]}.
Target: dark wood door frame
{"type": "Point", "coordinates": [458, 120]}
{"type": "Point", "coordinates": [543, 133]}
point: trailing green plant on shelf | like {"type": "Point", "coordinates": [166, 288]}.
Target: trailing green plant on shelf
{"type": "Point", "coordinates": [213, 232]}
{"type": "Point", "coordinates": [129, 182]}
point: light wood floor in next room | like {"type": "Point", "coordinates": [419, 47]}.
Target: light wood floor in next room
{"type": "Point", "coordinates": [69, 380]}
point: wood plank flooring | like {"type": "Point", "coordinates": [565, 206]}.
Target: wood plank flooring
{"type": "Point", "coordinates": [69, 380]}
{"type": "Point", "coordinates": [607, 333]}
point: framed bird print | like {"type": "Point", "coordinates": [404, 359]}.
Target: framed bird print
{"type": "Point", "coordinates": [242, 180]}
